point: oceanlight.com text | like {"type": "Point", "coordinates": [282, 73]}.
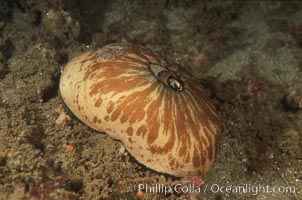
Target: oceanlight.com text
{"type": "Point", "coordinates": [251, 189]}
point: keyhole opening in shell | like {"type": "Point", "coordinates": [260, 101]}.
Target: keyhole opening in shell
{"type": "Point", "coordinates": [166, 76]}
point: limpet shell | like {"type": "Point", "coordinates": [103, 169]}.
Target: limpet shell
{"type": "Point", "coordinates": [161, 114]}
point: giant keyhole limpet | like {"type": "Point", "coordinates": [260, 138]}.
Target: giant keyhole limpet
{"type": "Point", "coordinates": [160, 113]}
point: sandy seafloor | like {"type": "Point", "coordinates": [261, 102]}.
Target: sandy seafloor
{"type": "Point", "coordinates": [247, 54]}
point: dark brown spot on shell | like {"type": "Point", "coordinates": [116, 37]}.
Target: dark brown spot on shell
{"type": "Point", "coordinates": [95, 119]}
{"type": "Point", "coordinates": [107, 118]}
{"type": "Point", "coordinates": [172, 162]}
{"type": "Point", "coordinates": [98, 102]}
{"type": "Point", "coordinates": [129, 131]}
